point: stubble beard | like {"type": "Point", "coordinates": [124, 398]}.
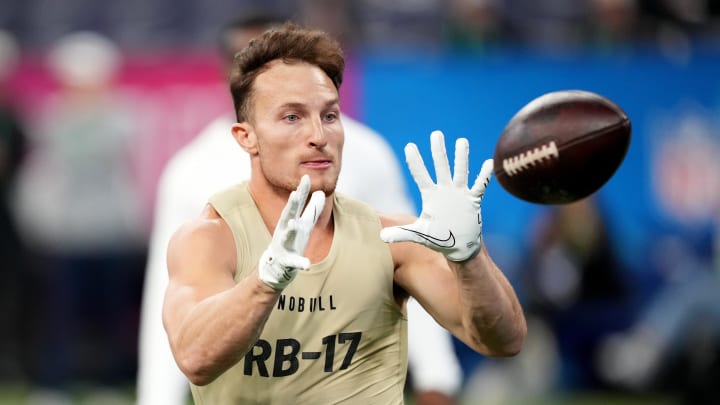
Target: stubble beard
{"type": "Point", "coordinates": [282, 182]}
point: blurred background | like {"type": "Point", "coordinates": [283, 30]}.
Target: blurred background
{"type": "Point", "coordinates": [621, 290]}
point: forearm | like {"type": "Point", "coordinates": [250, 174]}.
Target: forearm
{"type": "Point", "coordinates": [219, 330]}
{"type": "Point", "coordinates": [491, 313]}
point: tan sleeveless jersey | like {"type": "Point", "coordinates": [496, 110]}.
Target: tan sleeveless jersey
{"type": "Point", "coordinates": [336, 334]}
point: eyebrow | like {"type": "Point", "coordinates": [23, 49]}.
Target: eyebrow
{"type": "Point", "coordinates": [294, 104]}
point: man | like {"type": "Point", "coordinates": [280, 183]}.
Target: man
{"type": "Point", "coordinates": [79, 212]}
{"type": "Point", "coordinates": [213, 161]}
{"type": "Point", "coordinates": [273, 301]}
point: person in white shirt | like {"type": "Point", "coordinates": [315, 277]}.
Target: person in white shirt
{"type": "Point", "coordinates": [213, 161]}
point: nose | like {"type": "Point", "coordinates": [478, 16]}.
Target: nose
{"type": "Point", "coordinates": [317, 138]}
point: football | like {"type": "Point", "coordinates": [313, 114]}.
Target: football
{"type": "Point", "coordinates": [561, 147]}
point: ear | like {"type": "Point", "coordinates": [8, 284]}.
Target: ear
{"type": "Point", "coordinates": [244, 135]}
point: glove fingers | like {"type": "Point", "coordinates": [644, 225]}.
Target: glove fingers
{"type": "Point", "coordinates": [287, 239]}
{"type": "Point", "coordinates": [301, 195]}
{"type": "Point", "coordinates": [440, 159]}
{"type": "Point", "coordinates": [312, 212]}
{"type": "Point", "coordinates": [295, 201]}
{"type": "Point", "coordinates": [483, 179]}
{"type": "Point", "coordinates": [292, 262]}
{"type": "Point", "coordinates": [462, 150]}
{"type": "Point", "coordinates": [288, 211]}
{"type": "Point", "coordinates": [417, 167]}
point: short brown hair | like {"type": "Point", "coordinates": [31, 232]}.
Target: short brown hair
{"type": "Point", "coordinates": [290, 43]}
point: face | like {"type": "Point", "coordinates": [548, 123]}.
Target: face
{"type": "Point", "coordinates": [295, 127]}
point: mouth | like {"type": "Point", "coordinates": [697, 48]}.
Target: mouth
{"type": "Point", "coordinates": [317, 164]}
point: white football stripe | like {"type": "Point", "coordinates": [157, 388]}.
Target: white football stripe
{"type": "Point", "coordinates": [518, 163]}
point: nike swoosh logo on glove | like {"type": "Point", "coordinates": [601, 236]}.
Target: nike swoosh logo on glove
{"type": "Point", "coordinates": [446, 243]}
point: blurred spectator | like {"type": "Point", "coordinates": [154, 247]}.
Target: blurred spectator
{"type": "Point", "coordinates": [693, 16]}
{"type": "Point", "coordinates": [418, 24]}
{"type": "Point", "coordinates": [181, 194]}
{"type": "Point", "coordinates": [578, 287]}
{"type": "Point", "coordinates": [675, 346]}
{"type": "Point", "coordinates": [337, 17]}
{"type": "Point", "coordinates": [547, 24]}
{"type": "Point", "coordinates": [618, 24]}
{"type": "Point", "coordinates": [476, 24]}
{"type": "Point", "coordinates": [79, 213]}
{"type": "Point", "coordinates": [405, 24]}
{"type": "Point", "coordinates": [683, 24]}
{"type": "Point", "coordinates": [12, 151]}
{"type": "Point", "coordinates": [576, 291]}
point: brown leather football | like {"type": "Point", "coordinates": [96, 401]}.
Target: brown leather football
{"type": "Point", "coordinates": [561, 147]}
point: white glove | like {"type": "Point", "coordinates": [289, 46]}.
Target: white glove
{"type": "Point", "coordinates": [285, 256]}
{"type": "Point", "coordinates": [450, 221]}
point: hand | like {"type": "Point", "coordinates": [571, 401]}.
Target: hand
{"type": "Point", "coordinates": [450, 221]}
{"type": "Point", "coordinates": [285, 256]}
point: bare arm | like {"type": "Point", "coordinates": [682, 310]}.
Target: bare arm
{"type": "Point", "coordinates": [472, 299]}
{"type": "Point", "coordinates": [492, 316]}
{"type": "Point", "coordinates": [210, 320]}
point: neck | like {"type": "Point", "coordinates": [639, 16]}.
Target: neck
{"type": "Point", "coordinates": [272, 200]}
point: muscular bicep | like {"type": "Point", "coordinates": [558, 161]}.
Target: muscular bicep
{"type": "Point", "coordinates": [201, 264]}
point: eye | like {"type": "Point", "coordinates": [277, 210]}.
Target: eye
{"type": "Point", "coordinates": [330, 117]}
{"type": "Point", "coordinates": [292, 117]}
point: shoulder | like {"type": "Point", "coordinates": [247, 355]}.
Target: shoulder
{"type": "Point", "coordinates": [372, 171]}
{"type": "Point", "coordinates": [215, 130]}
{"type": "Point", "coordinates": [210, 162]}
{"type": "Point", "coordinates": [207, 228]}
{"type": "Point", "coordinates": [206, 237]}
{"type": "Point", "coordinates": [356, 127]}
{"type": "Point", "coordinates": [182, 164]}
